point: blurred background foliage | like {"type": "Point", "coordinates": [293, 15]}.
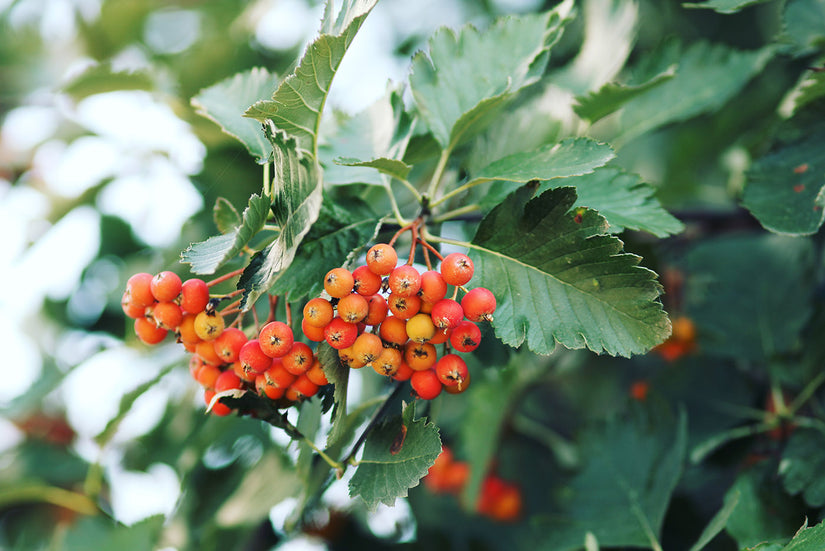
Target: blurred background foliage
{"type": "Point", "coordinates": [106, 170]}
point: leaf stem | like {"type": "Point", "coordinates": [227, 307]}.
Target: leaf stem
{"type": "Point", "coordinates": [395, 210]}
{"type": "Point", "coordinates": [449, 215]}
{"type": "Point", "coordinates": [411, 188]}
{"type": "Point", "coordinates": [338, 467]}
{"type": "Point", "coordinates": [49, 494]}
{"type": "Point", "coordinates": [267, 187]}
{"type": "Point", "coordinates": [224, 277]}
{"type": "Point", "coordinates": [438, 173]}
{"type": "Point", "coordinates": [460, 189]}
{"type": "Point", "coordinates": [806, 393]}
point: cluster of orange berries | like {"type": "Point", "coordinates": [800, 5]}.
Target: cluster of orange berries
{"type": "Point", "coordinates": [273, 364]}
{"type": "Point", "coordinates": [499, 499]}
{"type": "Point", "coordinates": [391, 318]}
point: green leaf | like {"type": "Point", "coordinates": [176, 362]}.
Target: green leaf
{"type": "Point", "coordinates": [341, 228]}
{"type": "Point", "coordinates": [808, 90]}
{"type": "Point", "coordinates": [623, 199]}
{"type": "Point", "coordinates": [297, 198]}
{"type": "Point", "coordinates": [784, 189]}
{"type": "Point", "coordinates": [804, 25]}
{"type": "Point", "coordinates": [397, 454]}
{"type": "Point", "coordinates": [103, 533]}
{"type": "Point", "coordinates": [297, 104]}
{"type": "Point", "coordinates": [391, 167]}
{"type": "Point", "coordinates": [559, 279]}
{"type": "Point", "coordinates": [375, 139]}
{"type": "Point", "coordinates": [101, 78]}
{"type": "Point", "coordinates": [755, 317]}
{"type": "Point", "coordinates": [571, 157]}
{"type": "Point", "coordinates": [802, 466]}
{"type": "Point", "coordinates": [471, 74]}
{"type": "Point", "coordinates": [338, 375]}
{"type": "Point", "coordinates": [622, 492]}
{"type": "Point", "coordinates": [225, 102]}
{"type": "Point", "coordinates": [708, 76]}
{"type": "Point", "coordinates": [724, 6]}
{"type": "Point", "coordinates": [718, 522]}
{"type": "Point", "coordinates": [612, 96]}
{"type": "Point", "coordinates": [808, 539]}
{"type": "Point", "coordinates": [225, 215]}
{"type": "Point", "coordinates": [764, 514]}
{"type": "Point", "coordinates": [207, 256]}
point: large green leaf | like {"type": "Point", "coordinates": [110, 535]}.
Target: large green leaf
{"type": "Point", "coordinates": [103, 533]}
{"type": "Point", "coordinates": [707, 76]}
{"type": "Point", "coordinates": [752, 317]}
{"type": "Point", "coordinates": [802, 466]}
{"type": "Point", "coordinates": [764, 515]}
{"type": "Point", "coordinates": [297, 197]}
{"type": "Point", "coordinates": [397, 454]}
{"type": "Point", "coordinates": [375, 139]}
{"type": "Point", "coordinates": [622, 492]}
{"type": "Point", "coordinates": [724, 6]}
{"type": "Point", "coordinates": [807, 539]}
{"type": "Point", "coordinates": [207, 256]}
{"type": "Point", "coordinates": [612, 96]}
{"type": "Point", "coordinates": [341, 228]}
{"type": "Point", "coordinates": [571, 157]}
{"type": "Point", "coordinates": [470, 75]}
{"type": "Point", "coordinates": [784, 189]}
{"type": "Point", "coordinates": [718, 522]}
{"type": "Point", "coordinates": [225, 102]}
{"type": "Point", "coordinates": [804, 25]}
{"type": "Point", "coordinates": [558, 278]}
{"type": "Point", "coordinates": [297, 105]}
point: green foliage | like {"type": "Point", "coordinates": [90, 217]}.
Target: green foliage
{"type": "Point", "coordinates": [801, 465]}
{"type": "Point", "coordinates": [584, 290]}
{"type": "Point", "coordinates": [724, 6]}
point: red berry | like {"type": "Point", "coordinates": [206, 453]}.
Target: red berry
{"type": "Point", "coordinates": [451, 370]}
{"type": "Point", "coordinates": [228, 381]}
{"type": "Point", "coordinates": [340, 334]}
{"type": "Point", "coordinates": [465, 337]}
{"type": "Point", "coordinates": [166, 286]}
{"type": "Point", "coordinates": [253, 358]}
{"type": "Point", "coordinates": [433, 287]}
{"type": "Point", "coordinates": [278, 376]}
{"type": "Point", "coordinates": [276, 339]}
{"type": "Point", "coordinates": [194, 295]}
{"type": "Point", "coordinates": [367, 282]}
{"type": "Point", "coordinates": [404, 372]}
{"type": "Point", "coordinates": [447, 314]}
{"type": "Point", "coordinates": [426, 384]}
{"type": "Point", "coordinates": [381, 259]}
{"type": "Point", "coordinates": [132, 309]}
{"type": "Point", "coordinates": [304, 387]}
{"type": "Point", "coordinates": [218, 408]}
{"type": "Point", "coordinates": [139, 289]}
{"type": "Point", "coordinates": [404, 281]}
{"type": "Point", "coordinates": [228, 345]}
{"type": "Point", "coordinates": [479, 304]}
{"type": "Point", "coordinates": [457, 269]}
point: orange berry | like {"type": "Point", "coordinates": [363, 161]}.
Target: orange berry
{"type": "Point", "coordinates": [317, 375]}
{"type": "Point", "coordinates": [148, 332]}
{"type": "Point", "coordinates": [209, 325]}
{"type": "Point", "coordinates": [393, 330]}
{"type": "Point", "coordinates": [338, 282]}
{"type": "Point", "coordinates": [404, 281]}
{"type": "Point", "coordinates": [340, 334]}
{"type": "Point", "coordinates": [166, 286]}
{"type": "Point", "coordinates": [367, 347]}
{"type": "Point", "coordinates": [388, 362]}
{"type": "Point", "coordinates": [377, 310]}
{"type": "Point", "coordinates": [403, 307]}
{"type": "Point", "coordinates": [353, 308]}
{"type": "Point", "coordinates": [457, 269]}
{"type": "Point", "coordinates": [420, 356]}
{"type": "Point", "coordinates": [367, 282]}
{"type": "Point", "coordinates": [139, 289]}
{"type": "Point", "coordinates": [229, 343]}
{"type": "Point", "coordinates": [194, 295]}
{"type": "Point", "coordinates": [381, 259]}
{"type": "Point", "coordinates": [276, 339]}
{"type": "Point", "coordinates": [318, 312]}
{"type": "Point", "coordinates": [315, 334]}
{"type": "Point", "coordinates": [299, 358]}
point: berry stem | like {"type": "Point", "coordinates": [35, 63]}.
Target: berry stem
{"type": "Point", "coordinates": [429, 247]}
{"type": "Point", "coordinates": [288, 309]}
{"type": "Point", "coordinates": [273, 305]}
{"type": "Point", "coordinates": [224, 277]}
{"type": "Point", "coordinates": [413, 241]}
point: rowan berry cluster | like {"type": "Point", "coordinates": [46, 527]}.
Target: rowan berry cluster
{"type": "Point", "coordinates": [273, 364]}
{"type": "Point", "coordinates": [499, 499]}
{"type": "Point", "coordinates": [392, 317]}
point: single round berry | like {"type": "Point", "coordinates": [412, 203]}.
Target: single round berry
{"type": "Point", "coordinates": [206, 352]}
{"type": "Point", "coordinates": [420, 328]}
{"type": "Point", "coordinates": [404, 281]}
{"type": "Point", "coordinates": [457, 268]}
{"type": "Point", "coordinates": [209, 325]}
{"type": "Point", "coordinates": [130, 308]}
{"type": "Point", "coordinates": [479, 304]}
{"type": "Point", "coordinates": [194, 295]}
{"type": "Point", "coordinates": [253, 358]}
{"type": "Point", "coordinates": [166, 286]}
{"type": "Point", "coordinates": [404, 372]}
{"type": "Point", "coordinates": [139, 289]}
{"type": "Point", "coordinates": [315, 334]}
{"type": "Point", "coordinates": [465, 337]}
{"type": "Point", "coordinates": [218, 408]}
{"type": "Point", "coordinates": [367, 347]}
{"type": "Point", "coordinates": [458, 389]}
{"type": "Point", "coordinates": [167, 315]}
{"type": "Point", "coordinates": [244, 375]}
{"type": "Point", "coordinates": [420, 356]}
{"type": "Point", "coordinates": [276, 339]}
{"type": "Point", "coordinates": [340, 334]}
{"type": "Point", "coordinates": [381, 259]}
{"type": "Point", "coordinates": [353, 308]}
{"type": "Point", "coordinates": [426, 384]}
{"type": "Point", "coordinates": [148, 332]}
{"type": "Point", "coordinates": [348, 359]}
{"type": "Point", "coordinates": [304, 386]}
{"type": "Point", "coordinates": [228, 345]}
{"type": "Point", "coordinates": [207, 375]}
{"type": "Point", "coordinates": [186, 330]}
{"type": "Point", "coordinates": [316, 374]}
{"type": "Point", "coordinates": [367, 282]}
{"type": "Point", "coordinates": [451, 370]}
{"type": "Point", "coordinates": [393, 330]}
{"type": "Point", "coordinates": [338, 282]}
{"type": "Point", "coordinates": [264, 388]}
{"type": "Point", "coordinates": [447, 314]}
{"type": "Point", "coordinates": [441, 336]}
{"type": "Point", "coordinates": [403, 307]}
{"type": "Point", "coordinates": [278, 377]}
{"type": "Point", "coordinates": [318, 312]}
{"type": "Point", "coordinates": [299, 358]}
{"type": "Point", "coordinates": [377, 310]}
{"type": "Point", "coordinates": [433, 287]}
{"type": "Point", "coordinates": [388, 362]}
{"type": "Point", "coordinates": [228, 381]}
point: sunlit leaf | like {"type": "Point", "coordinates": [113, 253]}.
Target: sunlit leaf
{"type": "Point", "coordinates": [611, 97]}
{"type": "Point", "coordinates": [225, 215]}
{"type": "Point", "coordinates": [724, 6]}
